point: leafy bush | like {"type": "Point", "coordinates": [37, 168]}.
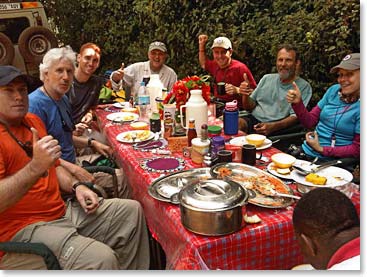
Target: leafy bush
{"type": "Point", "coordinates": [324, 31]}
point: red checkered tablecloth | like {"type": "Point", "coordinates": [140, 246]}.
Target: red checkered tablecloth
{"type": "Point", "coordinates": [270, 244]}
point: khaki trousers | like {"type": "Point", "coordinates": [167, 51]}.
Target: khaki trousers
{"type": "Point", "coordinates": [114, 237]}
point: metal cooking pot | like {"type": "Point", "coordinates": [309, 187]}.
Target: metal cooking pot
{"type": "Point", "coordinates": [213, 207]}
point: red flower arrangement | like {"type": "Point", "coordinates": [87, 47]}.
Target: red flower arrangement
{"type": "Point", "coordinates": [180, 92]}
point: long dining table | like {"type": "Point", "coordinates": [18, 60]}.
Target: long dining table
{"type": "Point", "coordinates": [268, 245]}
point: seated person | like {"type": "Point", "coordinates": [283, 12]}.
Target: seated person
{"type": "Point", "coordinates": [132, 76]}
{"type": "Point", "coordinates": [84, 93]}
{"type": "Point", "coordinates": [336, 117]}
{"type": "Point", "coordinates": [51, 104]}
{"type": "Point", "coordinates": [225, 69]}
{"type": "Point", "coordinates": [326, 225]}
{"type": "Point", "coordinates": [86, 232]}
{"type": "Point", "coordinates": [270, 112]}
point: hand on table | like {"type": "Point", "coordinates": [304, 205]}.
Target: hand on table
{"type": "Point", "coordinates": [264, 128]}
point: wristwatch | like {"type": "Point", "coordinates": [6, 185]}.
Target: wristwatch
{"type": "Point", "coordinates": [90, 142]}
{"type": "Point", "coordinates": [77, 184]}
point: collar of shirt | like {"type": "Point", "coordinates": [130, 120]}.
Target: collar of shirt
{"type": "Point", "coordinates": [347, 251]}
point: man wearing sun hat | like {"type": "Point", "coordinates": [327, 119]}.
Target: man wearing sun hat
{"type": "Point", "coordinates": [129, 78]}
{"type": "Point", "coordinates": [86, 232]}
{"type": "Point", "coordinates": [224, 69]}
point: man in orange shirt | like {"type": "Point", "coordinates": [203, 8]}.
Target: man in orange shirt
{"type": "Point", "coordinates": [90, 233]}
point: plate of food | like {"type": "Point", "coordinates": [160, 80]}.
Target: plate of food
{"type": "Point", "coordinates": [331, 176]}
{"type": "Point", "coordinates": [239, 141]}
{"type": "Point", "coordinates": [260, 182]}
{"type": "Point", "coordinates": [122, 117]}
{"type": "Point", "coordinates": [120, 104]}
{"type": "Point", "coordinates": [135, 136]}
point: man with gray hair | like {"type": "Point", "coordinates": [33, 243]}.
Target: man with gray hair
{"type": "Point", "coordinates": [131, 77]}
{"type": "Point", "coordinates": [86, 233]}
{"type": "Point", "coordinates": [51, 104]}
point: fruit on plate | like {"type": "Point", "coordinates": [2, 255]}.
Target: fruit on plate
{"type": "Point", "coordinates": [316, 179]}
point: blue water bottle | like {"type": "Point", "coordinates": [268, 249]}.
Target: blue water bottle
{"type": "Point", "coordinates": [230, 118]}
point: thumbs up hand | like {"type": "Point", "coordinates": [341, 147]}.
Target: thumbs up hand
{"type": "Point", "coordinates": [45, 151]}
{"type": "Point", "coordinates": [245, 86]}
{"type": "Point", "coordinates": [294, 95]}
{"type": "Point", "coordinates": [118, 74]}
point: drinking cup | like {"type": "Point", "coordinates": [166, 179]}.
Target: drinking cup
{"type": "Point", "coordinates": [221, 88]}
{"type": "Point", "coordinates": [249, 154]}
{"type": "Point", "coordinates": [224, 156]}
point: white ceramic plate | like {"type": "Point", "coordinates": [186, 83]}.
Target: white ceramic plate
{"type": "Point", "coordinates": [120, 104]}
{"type": "Point", "coordinates": [141, 135]}
{"type": "Point", "coordinates": [336, 176]}
{"type": "Point", "coordinates": [122, 117]}
{"type": "Point", "coordinates": [239, 141]}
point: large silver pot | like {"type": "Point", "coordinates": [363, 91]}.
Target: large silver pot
{"type": "Point", "coordinates": [212, 207]}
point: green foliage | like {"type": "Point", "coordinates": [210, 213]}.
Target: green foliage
{"type": "Point", "coordinates": [324, 31]}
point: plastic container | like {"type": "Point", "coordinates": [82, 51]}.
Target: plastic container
{"type": "Point", "coordinates": [217, 145]}
{"type": "Point", "coordinates": [214, 130]}
{"type": "Point", "coordinates": [230, 118]}
{"type": "Point", "coordinates": [154, 90]}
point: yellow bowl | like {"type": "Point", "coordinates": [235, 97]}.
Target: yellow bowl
{"type": "Point", "coordinates": [283, 160]}
{"type": "Point", "coordinates": [139, 125]}
{"type": "Point", "coordinates": [255, 139]}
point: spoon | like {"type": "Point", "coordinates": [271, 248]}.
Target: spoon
{"type": "Point", "coordinates": [303, 171]}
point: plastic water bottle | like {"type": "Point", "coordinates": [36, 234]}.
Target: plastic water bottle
{"type": "Point", "coordinates": [230, 118]}
{"type": "Point", "coordinates": [143, 101]}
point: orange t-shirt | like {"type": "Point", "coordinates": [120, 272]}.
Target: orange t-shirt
{"type": "Point", "coordinates": [43, 200]}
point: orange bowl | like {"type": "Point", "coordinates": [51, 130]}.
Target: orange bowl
{"type": "Point", "coordinates": [255, 139]}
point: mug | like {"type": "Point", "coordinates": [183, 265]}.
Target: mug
{"type": "Point", "coordinates": [224, 156]}
{"type": "Point", "coordinates": [249, 154]}
{"type": "Point", "coordinates": [221, 88]}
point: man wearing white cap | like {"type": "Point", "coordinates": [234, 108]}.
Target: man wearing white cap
{"type": "Point", "coordinates": [224, 69]}
{"type": "Point", "coordinates": [130, 77]}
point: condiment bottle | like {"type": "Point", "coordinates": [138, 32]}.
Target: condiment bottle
{"type": "Point", "coordinates": [230, 118]}
{"type": "Point", "coordinates": [191, 132]}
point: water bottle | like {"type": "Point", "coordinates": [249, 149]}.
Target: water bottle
{"type": "Point", "coordinates": [154, 90]}
{"type": "Point", "coordinates": [230, 118]}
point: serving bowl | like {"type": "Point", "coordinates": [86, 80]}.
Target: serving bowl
{"type": "Point", "coordinates": [255, 139]}
{"type": "Point", "coordinates": [283, 160]}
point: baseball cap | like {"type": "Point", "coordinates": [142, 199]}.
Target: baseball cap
{"type": "Point", "coordinates": [157, 45]}
{"type": "Point", "coordinates": [8, 73]}
{"type": "Point", "coordinates": [222, 42]}
{"type": "Point", "coordinates": [349, 62]}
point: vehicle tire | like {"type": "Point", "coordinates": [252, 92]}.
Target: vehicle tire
{"type": "Point", "coordinates": [7, 51]}
{"type": "Point", "coordinates": [34, 42]}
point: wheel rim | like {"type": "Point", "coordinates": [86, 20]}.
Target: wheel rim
{"type": "Point", "coordinates": [39, 45]}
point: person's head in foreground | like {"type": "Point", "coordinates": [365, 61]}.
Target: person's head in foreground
{"type": "Point", "coordinates": [326, 223]}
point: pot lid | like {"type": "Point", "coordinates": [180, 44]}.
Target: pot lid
{"type": "Point", "coordinates": [212, 195]}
